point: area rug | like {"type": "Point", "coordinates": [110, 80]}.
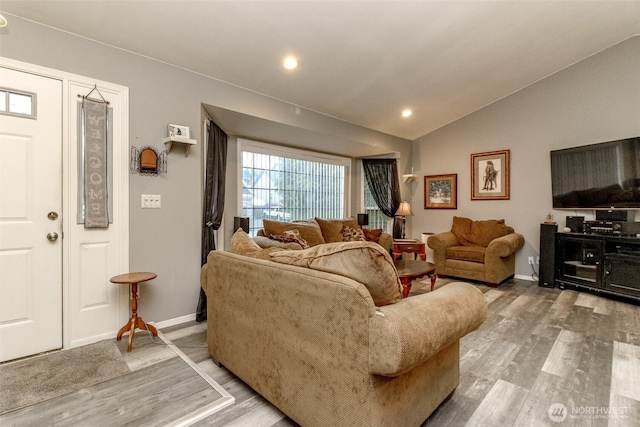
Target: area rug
{"type": "Point", "coordinates": [40, 378]}
{"type": "Point", "coordinates": [159, 384]}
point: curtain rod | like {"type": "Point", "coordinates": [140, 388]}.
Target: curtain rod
{"type": "Point", "coordinates": [95, 88]}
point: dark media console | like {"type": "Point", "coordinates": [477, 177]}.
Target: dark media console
{"type": "Point", "coordinates": [603, 263]}
{"type": "Point", "coordinates": [616, 223]}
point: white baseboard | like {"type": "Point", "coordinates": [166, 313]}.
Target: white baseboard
{"type": "Point", "coordinates": [112, 335]}
{"type": "Point", "coordinates": [93, 339]}
{"type": "Point", "coordinates": [175, 321]}
{"type": "Point", "coordinates": [523, 277]}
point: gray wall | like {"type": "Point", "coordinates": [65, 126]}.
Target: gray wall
{"type": "Point", "coordinates": [595, 100]}
{"type": "Point", "coordinates": [167, 241]}
{"type": "Point", "coordinates": [592, 101]}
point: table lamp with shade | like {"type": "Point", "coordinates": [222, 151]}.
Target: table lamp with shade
{"type": "Point", "coordinates": [404, 210]}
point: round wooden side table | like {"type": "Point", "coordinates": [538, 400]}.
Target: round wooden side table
{"type": "Point", "coordinates": [134, 322]}
{"type": "Point", "coordinates": [410, 270]}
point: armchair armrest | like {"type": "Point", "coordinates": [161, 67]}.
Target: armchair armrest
{"type": "Point", "coordinates": [505, 246]}
{"type": "Point", "coordinates": [441, 241]}
{"type": "Point", "coordinates": [405, 334]}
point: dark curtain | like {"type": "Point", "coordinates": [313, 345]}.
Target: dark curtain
{"type": "Point", "coordinates": [382, 178]}
{"type": "Point", "coordinates": [213, 205]}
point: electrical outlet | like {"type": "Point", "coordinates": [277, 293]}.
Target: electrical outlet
{"type": "Point", "coordinates": [538, 260]}
{"type": "Point", "coordinates": [531, 260]}
{"type": "Point", "coordinates": [151, 201]}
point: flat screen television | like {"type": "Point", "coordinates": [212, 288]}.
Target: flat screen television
{"type": "Point", "coordinates": [597, 176]}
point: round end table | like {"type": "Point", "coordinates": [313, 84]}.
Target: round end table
{"type": "Point", "coordinates": [135, 321]}
{"type": "Point", "coordinates": [410, 270]}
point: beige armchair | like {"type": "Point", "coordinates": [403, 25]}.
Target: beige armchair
{"type": "Point", "coordinates": [477, 250]}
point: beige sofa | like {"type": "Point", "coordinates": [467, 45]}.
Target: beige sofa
{"type": "Point", "coordinates": [477, 250]}
{"type": "Point", "coordinates": [315, 344]}
{"type": "Point", "coordinates": [314, 231]}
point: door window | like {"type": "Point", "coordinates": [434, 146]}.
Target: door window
{"type": "Point", "coordinates": [17, 103]}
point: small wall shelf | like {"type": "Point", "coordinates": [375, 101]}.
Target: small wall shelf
{"type": "Point", "coordinates": [409, 177]}
{"type": "Point", "coordinates": [169, 141]}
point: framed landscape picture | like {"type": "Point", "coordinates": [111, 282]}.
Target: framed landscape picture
{"type": "Point", "coordinates": [441, 191]}
{"type": "Point", "coordinates": [490, 175]}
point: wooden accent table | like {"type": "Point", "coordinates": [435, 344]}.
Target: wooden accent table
{"type": "Point", "coordinates": [411, 246]}
{"type": "Point", "coordinates": [410, 270]}
{"type": "Point", "coordinates": [134, 322]}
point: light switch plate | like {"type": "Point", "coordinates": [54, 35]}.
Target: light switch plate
{"type": "Point", "coordinates": [151, 201]}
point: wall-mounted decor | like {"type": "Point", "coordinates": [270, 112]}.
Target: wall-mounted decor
{"type": "Point", "coordinates": [411, 177]}
{"type": "Point", "coordinates": [147, 161]}
{"type": "Point", "coordinates": [441, 191]}
{"type": "Point", "coordinates": [91, 162]}
{"type": "Point", "coordinates": [179, 134]}
{"type": "Point", "coordinates": [490, 175]}
{"type": "Point", "coordinates": [178, 130]}
{"type": "Point", "coordinates": [94, 118]}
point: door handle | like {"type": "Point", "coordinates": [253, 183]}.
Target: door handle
{"type": "Point", "coordinates": [52, 237]}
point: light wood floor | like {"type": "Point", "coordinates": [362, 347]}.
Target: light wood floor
{"type": "Point", "coordinates": [538, 349]}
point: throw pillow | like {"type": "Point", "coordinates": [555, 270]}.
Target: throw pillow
{"type": "Point", "coordinates": [332, 228]}
{"type": "Point", "coordinates": [478, 233]}
{"type": "Point", "coordinates": [484, 232]}
{"type": "Point", "coordinates": [309, 230]}
{"type": "Point", "coordinates": [461, 228]}
{"type": "Point", "coordinates": [243, 244]}
{"type": "Point", "coordinates": [352, 234]}
{"type": "Point", "coordinates": [291, 236]}
{"type": "Point", "coordinates": [364, 262]}
{"type": "Point", "coordinates": [372, 235]}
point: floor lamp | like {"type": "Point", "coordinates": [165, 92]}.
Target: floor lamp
{"type": "Point", "coordinates": [404, 211]}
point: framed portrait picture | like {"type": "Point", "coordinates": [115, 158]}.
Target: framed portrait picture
{"type": "Point", "coordinates": [441, 191]}
{"type": "Point", "coordinates": [490, 175]}
{"type": "Point", "coordinates": [179, 130]}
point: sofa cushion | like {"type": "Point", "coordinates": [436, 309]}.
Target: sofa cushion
{"type": "Point", "coordinates": [364, 262]}
{"type": "Point", "coordinates": [332, 228]}
{"type": "Point", "coordinates": [243, 244]}
{"type": "Point", "coordinates": [352, 234]}
{"type": "Point", "coordinates": [291, 236]}
{"type": "Point", "coordinates": [466, 253]}
{"type": "Point", "coordinates": [309, 230]}
{"type": "Point", "coordinates": [265, 242]}
{"type": "Point", "coordinates": [479, 233]}
{"type": "Point", "coordinates": [372, 235]}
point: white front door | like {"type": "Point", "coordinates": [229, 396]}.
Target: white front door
{"type": "Point", "coordinates": [30, 214]}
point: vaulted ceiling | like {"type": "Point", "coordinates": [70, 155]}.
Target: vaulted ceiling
{"type": "Point", "coordinates": [363, 62]}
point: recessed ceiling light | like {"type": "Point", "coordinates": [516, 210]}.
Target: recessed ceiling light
{"type": "Point", "coordinates": [290, 63]}
{"type": "Point", "coordinates": [406, 113]}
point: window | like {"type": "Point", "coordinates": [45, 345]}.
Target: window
{"type": "Point", "coordinates": [381, 174]}
{"type": "Point", "coordinates": [285, 184]}
{"type": "Point", "coordinates": [376, 218]}
{"type": "Point", "coordinates": [17, 103]}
